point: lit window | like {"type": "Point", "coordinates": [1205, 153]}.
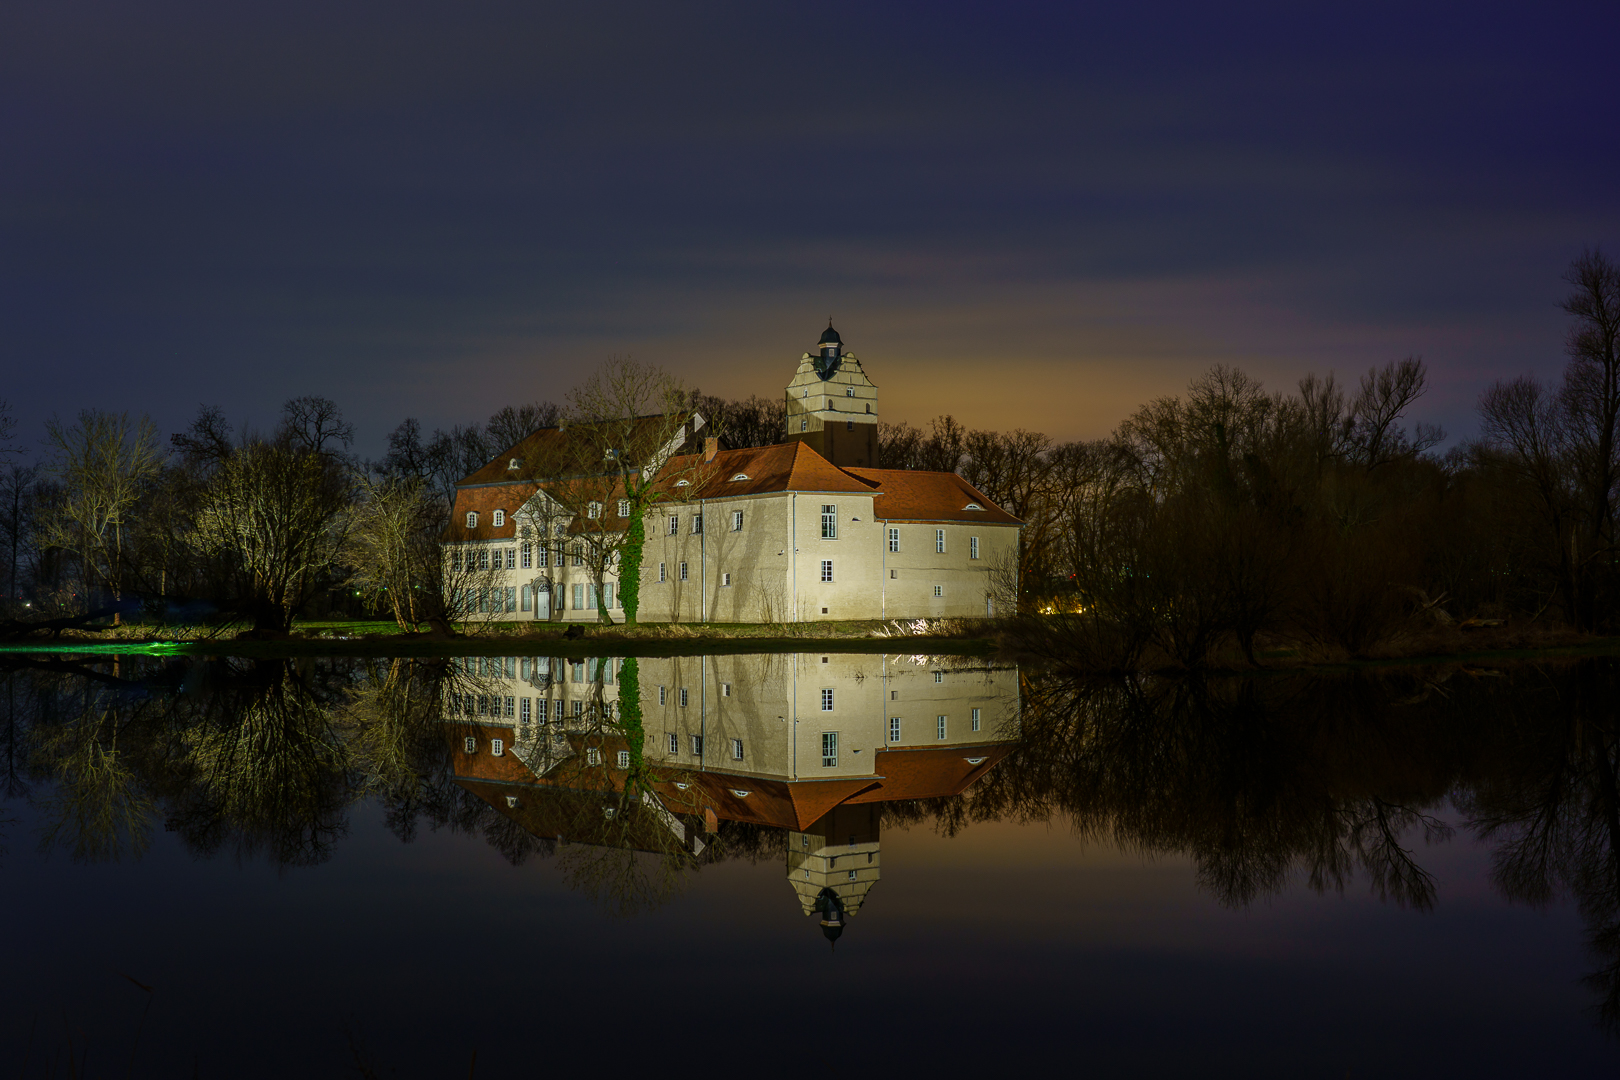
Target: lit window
{"type": "Point", "coordinates": [829, 749]}
{"type": "Point", "coordinates": [975, 719]}
{"type": "Point", "coordinates": [624, 508]}
{"type": "Point", "coordinates": [939, 540]}
{"type": "Point", "coordinates": [736, 750]}
{"type": "Point", "coordinates": [497, 747]}
{"type": "Point", "coordinates": [894, 729]}
{"type": "Point", "coordinates": [697, 745]}
{"type": "Point", "coordinates": [674, 524]}
{"type": "Point", "coordinates": [939, 590]}
{"type": "Point", "coordinates": [661, 573]}
{"type": "Point", "coordinates": [472, 519]}
{"type": "Point", "coordinates": [826, 700]}
{"type": "Point", "coordinates": [683, 697]}
{"type": "Point", "coordinates": [674, 743]}
{"type": "Point", "coordinates": [941, 724]}
{"type": "Point", "coordinates": [736, 521]}
{"type": "Point", "coordinates": [500, 519]}
{"type": "Point", "coordinates": [472, 745]}
{"type": "Point", "coordinates": [683, 571]}
{"type": "Point", "coordinates": [624, 757]}
{"type": "Point", "coordinates": [826, 570]}
{"type": "Point", "coordinates": [829, 521]}
{"type": "Point", "coordinates": [973, 547]}
{"type": "Point", "coordinates": [894, 539]}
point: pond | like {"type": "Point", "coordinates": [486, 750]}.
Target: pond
{"type": "Point", "coordinates": [496, 866]}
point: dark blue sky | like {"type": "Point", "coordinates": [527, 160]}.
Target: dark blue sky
{"type": "Point", "coordinates": [1026, 215]}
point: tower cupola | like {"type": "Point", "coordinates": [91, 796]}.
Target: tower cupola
{"type": "Point", "coordinates": [832, 405]}
{"type": "Point", "coordinates": [832, 351]}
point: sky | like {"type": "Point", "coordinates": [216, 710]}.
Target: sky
{"type": "Point", "coordinates": [1025, 215]}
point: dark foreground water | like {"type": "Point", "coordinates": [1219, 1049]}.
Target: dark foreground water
{"type": "Point", "coordinates": [228, 868]}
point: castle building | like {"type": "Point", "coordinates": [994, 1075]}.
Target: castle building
{"type": "Point", "coordinates": [809, 529]}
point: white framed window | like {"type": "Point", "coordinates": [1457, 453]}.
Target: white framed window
{"type": "Point", "coordinates": [939, 590]}
{"type": "Point", "coordinates": [683, 697]}
{"type": "Point", "coordinates": [483, 558]}
{"type": "Point", "coordinates": [736, 750]}
{"type": "Point", "coordinates": [527, 559]}
{"type": "Point", "coordinates": [661, 578]}
{"type": "Point", "coordinates": [471, 745]}
{"type": "Point", "coordinates": [576, 555]}
{"type": "Point", "coordinates": [593, 756]}
{"type": "Point", "coordinates": [593, 509]}
{"type": "Point", "coordinates": [939, 676]}
{"type": "Point", "coordinates": [736, 521]}
{"type": "Point", "coordinates": [939, 541]}
{"type": "Point", "coordinates": [497, 747]}
{"type": "Point", "coordinates": [973, 506]}
{"type": "Point", "coordinates": [697, 524]}
{"type": "Point", "coordinates": [579, 708]}
{"type": "Point", "coordinates": [697, 745]}
{"type": "Point", "coordinates": [849, 391]}
{"type": "Point", "coordinates": [940, 724]}
{"type": "Point", "coordinates": [674, 743]}
{"type": "Point", "coordinates": [624, 759]}
{"type": "Point", "coordinates": [663, 695]}
{"type": "Point", "coordinates": [472, 519]}
{"type": "Point", "coordinates": [975, 719]}
{"type": "Point", "coordinates": [894, 729]}
{"type": "Point", "coordinates": [674, 524]}
{"type": "Point", "coordinates": [545, 557]}
{"type": "Point", "coordinates": [829, 521]}
{"type": "Point", "coordinates": [894, 539]}
{"type": "Point", "coordinates": [829, 749]}
{"type": "Point", "coordinates": [725, 579]}
{"type": "Point", "coordinates": [511, 558]}
{"type": "Point", "coordinates": [682, 569]}
{"type": "Point", "coordinates": [826, 570]}
{"type": "Point", "coordinates": [725, 689]}
{"type": "Point", "coordinates": [455, 561]}
{"type": "Point", "coordinates": [498, 519]}
{"type": "Point", "coordinates": [526, 710]}
{"type": "Point", "coordinates": [826, 700]}
{"type": "Point", "coordinates": [973, 547]}
{"type": "Point", "coordinates": [511, 707]}
{"type": "Point", "coordinates": [739, 476]}
{"type": "Point", "coordinates": [624, 508]}
{"type": "Point", "coordinates": [512, 802]}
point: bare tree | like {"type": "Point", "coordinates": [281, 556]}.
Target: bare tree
{"type": "Point", "coordinates": [392, 547]}
{"type": "Point", "coordinates": [315, 425]}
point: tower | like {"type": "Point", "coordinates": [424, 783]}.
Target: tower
{"type": "Point", "coordinates": [832, 405]}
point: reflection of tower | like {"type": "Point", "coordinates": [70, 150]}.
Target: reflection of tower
{"type": "Point", "coordinates": [832, 405]}
{"type": "Point", "coordinates": [838, 853]}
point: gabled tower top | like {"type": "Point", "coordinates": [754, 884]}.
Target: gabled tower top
{"type": "Point", "coordinates": [832, 352]}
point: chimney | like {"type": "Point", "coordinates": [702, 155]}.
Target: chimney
{"type": "Point", "coordinates": [710, 448]}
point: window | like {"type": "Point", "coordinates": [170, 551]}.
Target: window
{"type": "Point", "coordinates": [472, 745]}
{"type": "Point", "coordinates": [939, 541]}
{"type": "Point", "coordinates": [579, 708]}
{"type": "Point", "coordinates": [511, 708]}
{"type": "Point", "coordinates": [697, 524]}
{"type": "Point", "coordinates": [683, 697]}
{"type": "Point", "coordinates": [472, 519]}
{"type": "Point", "coordinates": [593, 756]}
{"type": "Point", "coordinates": [576, 555]}
{"type": "Point", "coordinates": [578, 672]}
{"type": "Point", "coordinates": [511, 598]}
{"type": "Point", "coordinates": [528, 559]}
{"type": "Point", "coordinates": [973, 506]}
{"type": "Point", "coordinates": [483, 559]}
{"type": "Point", "coordinates": [527, 711]}
{"type": "Point", "coordinates": [939, 676]}
{"type": "Point", "coordinates": [826, 570]}
{"type": "Point", "coordinates": [973, 547]}
{"type": "Point", "coordinates": [624, 755]}
{"type": "Point", "coordinates": [579, 598]}
{"type": "Point", "coordinates": [894, 729]}
{"type": "Point", "coordinates": [849, 391]}
{"type": "Point", "coordinates": [736, 521]}
{"type": "Point", "coordinates": [739, 476]}
{"type": "Point", "coordinates": [497, 747]}
{"type": "Point", "coordinates": [545, 557]}
{"type": "Point", "coordinates": [663, 695]}
{"type": "Point", "coordinates": [593, 509]}
{"type": "Point", "coordinates": [725, 579]}
{"type": "Point", "coordinates": [940, 734]}
{"type": "Point", "coordinates": [826, 701]}
{"type": "Point", "coordinates": [455, 560]}
{"type": "Point", "coordinates": [661, 577]}
{"type": "Point", "coordinates": [725, 689]}
{"type": "Point", "coordinates": [829, 749]}
{"type": "Point", "coordinates": [736, 750]}
{"type": "Point", "coordinates": [894, 539]}
{"type": "Point", "coordinates": [499, 519]}
{"type": "Point", "coordinates": [894, 695]}
{"type": "Point", "coordinates": [697, 745]}
{"type": "Point", "coordinates": [804, 424]}
{"type": "Point", "coordinates": [975, 719]}
{"type": "Point", "coordinates": [624, 508]}
{"type": "Point", "coordinates": [683, 571]}
{"type": "Point", "coordinates": [674, 524]}
{"type": "Point", "coordinates": [939, 590]}
{"type": "Point", "coordinates": [674, 743]}
{"type": "Point", "coordinates": [829, 521]}
{"type": "Point", "coordinates": [849, 425]}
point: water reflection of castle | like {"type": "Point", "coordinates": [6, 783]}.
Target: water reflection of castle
{"type": "Point", "coordinates": [806, 743]}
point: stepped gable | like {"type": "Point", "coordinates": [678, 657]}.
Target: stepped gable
{"type": "Point", "coordinates": [907, 495]}
{"type": "Point", "coordinates": [792, 466]}
{"type": "Point", "coordinates": [486, 500]}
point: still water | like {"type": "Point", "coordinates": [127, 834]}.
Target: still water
{"type": "Point", "coordinates": [500, 866]}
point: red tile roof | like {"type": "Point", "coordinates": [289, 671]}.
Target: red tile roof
{"type": "Point", "coordinates": [551, 451]}
{"type": "Point", "coordinates": [791, 466]}
{"type": "Point", "coordinates": [906, 495]}
{"type": "Point", "coordinates": [486, 500]}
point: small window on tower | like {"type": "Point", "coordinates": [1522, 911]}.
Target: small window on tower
{"type": "Point", "coordinates": [849, 391]}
